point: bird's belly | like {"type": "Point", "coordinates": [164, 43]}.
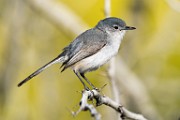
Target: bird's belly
{"type": "Point", "coordinates": [95, 61]}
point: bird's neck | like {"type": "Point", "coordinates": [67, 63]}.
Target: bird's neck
{"type": "Point", "coordinates": [116, 38]}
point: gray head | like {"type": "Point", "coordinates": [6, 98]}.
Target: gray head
{"type": "Point", "coordinates": [113, 24]}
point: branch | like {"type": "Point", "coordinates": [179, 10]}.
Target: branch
{"type": "Point", "coordinates": [135, 88]}
{"type": "Point", "coordinates": [100, 100]}
{"type": "Point", "coordinates": [84, 106]}
{"type": "Point", "coordinates": [15, 18]}
{"type": "Point", "coordinates": [174, 4]}
{"type": "Point", "coordinates": [58, 14]}
{"type": "Point", "coordinates": [107, 8]}
{"type": "Point", "coordinates": [112, 65]}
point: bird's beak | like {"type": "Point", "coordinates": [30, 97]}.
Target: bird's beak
{"type": "Point", "coordinates": [128, 28]}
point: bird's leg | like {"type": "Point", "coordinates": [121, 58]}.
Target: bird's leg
{"type": "Point", "coordinates": [85, 87]}
{"type": "Point", "coordinates": [82, 74]}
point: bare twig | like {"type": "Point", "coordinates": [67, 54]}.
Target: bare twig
{"type": "Point", "coordinates": [84, 105]}
{"type": "Point", "coordinates": [107, 8]}
{"type": "Point", "coordinates": [102, 99]}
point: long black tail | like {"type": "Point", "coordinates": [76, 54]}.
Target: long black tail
{"type": "Point", "coordinates": [56, 60]}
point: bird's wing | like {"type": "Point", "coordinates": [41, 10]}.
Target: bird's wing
{"type": "Point", "coordinates": [89, 43]}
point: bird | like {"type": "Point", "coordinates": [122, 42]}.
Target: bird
{"type": "Point", "coordinates": [90, 50]}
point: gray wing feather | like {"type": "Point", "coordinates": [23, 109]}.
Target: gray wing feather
{"type": "Point", "coordinates": [89, 43]}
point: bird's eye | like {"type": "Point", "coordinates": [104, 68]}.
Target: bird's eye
{"type": "Point", "coordinates": [115, 27]}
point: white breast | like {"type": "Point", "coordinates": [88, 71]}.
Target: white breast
{"type": "Point", "coordinates": [101, 57]}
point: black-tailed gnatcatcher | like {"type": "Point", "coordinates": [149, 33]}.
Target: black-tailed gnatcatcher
{"type": "Point", "coordinates": [90, 50]}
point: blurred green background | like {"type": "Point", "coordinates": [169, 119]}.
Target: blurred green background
{"type": "Point", "coordinates": [30, 38]}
